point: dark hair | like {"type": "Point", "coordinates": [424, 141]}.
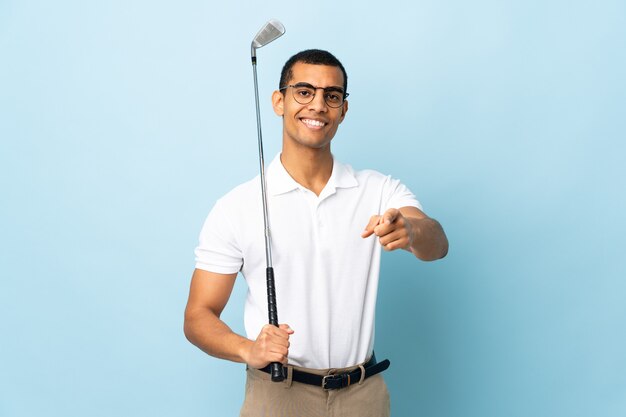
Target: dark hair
{"type": "Point", "coordinates": [315, 57]}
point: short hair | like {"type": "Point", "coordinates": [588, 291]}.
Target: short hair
{"type": "Point", "coordinates": [314, 57]}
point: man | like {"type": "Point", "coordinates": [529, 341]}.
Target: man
{"type": "Point", "coordinates": [323, 216]}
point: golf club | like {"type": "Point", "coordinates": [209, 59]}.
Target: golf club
{"type": "Point", "coordinates": [272, 30]}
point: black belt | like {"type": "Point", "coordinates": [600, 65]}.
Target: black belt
{"type": "Point", "coordinates": [329, 382]}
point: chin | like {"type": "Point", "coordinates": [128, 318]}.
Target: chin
{"type": "Point", "coordinates": [316, 145]}
{"type": "Point", "coordinates": [313, 143]}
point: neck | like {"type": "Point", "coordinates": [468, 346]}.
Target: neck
{"type": "Point", "coordinates": [310, 168]}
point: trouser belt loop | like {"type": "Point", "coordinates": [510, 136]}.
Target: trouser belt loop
{"type": "Point", "coordinates": [289, 379]}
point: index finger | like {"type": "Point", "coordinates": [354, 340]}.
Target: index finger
{"type": "Point", "coordinates": [390, 215]}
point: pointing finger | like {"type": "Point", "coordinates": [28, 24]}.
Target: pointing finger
{"type": "Point", "coordinates": [390, 215]}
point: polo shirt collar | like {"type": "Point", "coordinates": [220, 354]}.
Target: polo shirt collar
{"type": "Point", "coordinates": [280, 182]}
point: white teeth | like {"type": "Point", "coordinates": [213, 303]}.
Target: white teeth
{"type": "Point", "coordinates": [313, 122]}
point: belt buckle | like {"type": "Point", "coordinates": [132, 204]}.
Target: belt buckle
{"type": "Point", "coordinates": [324, 382]}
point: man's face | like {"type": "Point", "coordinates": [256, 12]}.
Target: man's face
{"type": "Point", "coordinates": [311, 125]}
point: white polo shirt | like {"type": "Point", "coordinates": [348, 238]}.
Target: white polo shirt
{"type": "Point", "coordinates": [326, 274]}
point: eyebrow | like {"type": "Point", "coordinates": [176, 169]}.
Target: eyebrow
{"type": "Point", "coordinates": [331, 88]}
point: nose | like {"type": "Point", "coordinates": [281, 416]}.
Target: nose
{"type": "Point", "coordinates": [318, 103]}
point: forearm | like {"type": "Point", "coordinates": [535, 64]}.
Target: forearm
{"type": "Point", "coordinates": [429, 241]}
{"type": "Point", "coordinates": [209, 333]}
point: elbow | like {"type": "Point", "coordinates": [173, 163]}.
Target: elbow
{"type": "Point", "coordinates": [189, 327]}
{"type": "Point", "coordinates": [196, 322]}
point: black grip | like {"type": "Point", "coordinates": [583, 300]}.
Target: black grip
{"type": "Point", "coordinates": [271, 297]}
{"type": "Point", "coordinates": [277, 371]}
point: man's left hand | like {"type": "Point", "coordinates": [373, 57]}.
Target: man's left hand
{"type": "Point", "coordinates": [394, 231]}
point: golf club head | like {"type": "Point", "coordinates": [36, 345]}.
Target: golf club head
{"type": "Point", "coordinates": [271, 31]}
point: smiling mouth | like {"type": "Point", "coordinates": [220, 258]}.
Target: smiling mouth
{"type": "Point", "coordinates": [313, 123]}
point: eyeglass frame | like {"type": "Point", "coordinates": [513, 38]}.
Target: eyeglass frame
{"type": "Point", "coordinates": [314, 88]}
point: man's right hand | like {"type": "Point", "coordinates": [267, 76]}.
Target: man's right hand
{"type": "Point", "coordinates": [208, 296]}
{"type": "Point", "coordinates": [272, 345]}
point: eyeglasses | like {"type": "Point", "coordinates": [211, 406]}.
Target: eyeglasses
{"type": "Point", "coordinates": [304, 93]}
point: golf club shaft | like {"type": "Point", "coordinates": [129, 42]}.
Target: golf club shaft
{"type": "Point", "coordinates": [276, 368]}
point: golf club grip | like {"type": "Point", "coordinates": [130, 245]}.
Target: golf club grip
{"type": "Point", "coordinates": [271, 296]}
{"type": "Point", "coordinates": [276, 368]}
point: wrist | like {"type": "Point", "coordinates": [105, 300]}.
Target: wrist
{"type": "Point", "coordinates": [244, 350]}
{"type": "Point", "coordinates": [411, 231]}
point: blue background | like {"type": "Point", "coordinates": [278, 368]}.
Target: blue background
{"type": "Point", "coordinates": [121, 122]}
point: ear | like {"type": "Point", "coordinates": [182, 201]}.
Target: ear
{"type": "Point", "coordinates": [344, 110]}
{"type": "Point", "coordinates": [278, 103]}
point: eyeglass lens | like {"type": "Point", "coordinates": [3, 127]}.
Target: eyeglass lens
{"type": "Point", "coordinates": [304, 94]}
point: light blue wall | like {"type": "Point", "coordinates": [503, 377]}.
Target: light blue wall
{"type": "Point", "coordinates": [121, 122]}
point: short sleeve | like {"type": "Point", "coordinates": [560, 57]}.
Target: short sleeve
{"type": "Point", "coordinates": [397, 195]}
{"type": "Point", "coordinates": [218, 250]}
